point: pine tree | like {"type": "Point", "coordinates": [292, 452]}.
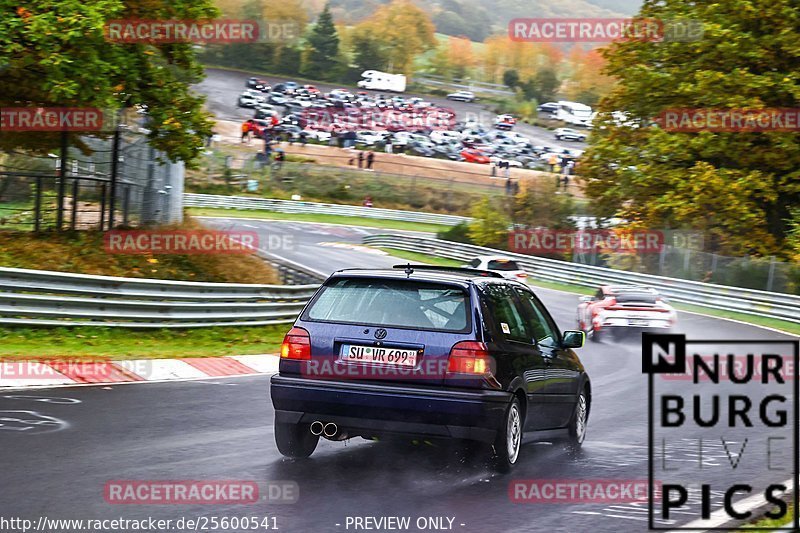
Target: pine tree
{"type": "Point", "coordinates": [322, 61]}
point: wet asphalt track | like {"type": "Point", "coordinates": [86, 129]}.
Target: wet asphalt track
{"type": "Point", "coordinates": [222, 430]}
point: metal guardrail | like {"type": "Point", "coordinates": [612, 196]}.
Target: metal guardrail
{"type": "Point", "coordinates": [474, 86]}
{"type": "Point", "coordinates": [290, 206]}
{"type": "Point", "coordinates": [44, 298]}
{"type": "Point", "coordinates": [747, 301]}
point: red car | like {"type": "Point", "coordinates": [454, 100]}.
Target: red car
{"type": "Point", "coordinates": [258, 127]}
{"type": "Point", "coordinates": [617, 309]}
{"type": "Point", "coordinates": [474, 156]}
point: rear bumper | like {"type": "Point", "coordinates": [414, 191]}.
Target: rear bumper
{"type": "Point", "coordinates": [368, 409]}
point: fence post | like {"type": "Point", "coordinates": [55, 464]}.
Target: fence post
{"type": "Point", "coordinates": [37, 207]}
{"type": "Point", "coordinates": [74, 210]}
{"type": "Point", "coordinates": [125, 197]}
{"type": "Point", "coordinates": [102, 206]}
{"type": "Point", "coordinates": [771, 277]}
{"type": "Point", "coordinates": [62, 180]}
{"type": "Point", "coordinates": [112, 201]}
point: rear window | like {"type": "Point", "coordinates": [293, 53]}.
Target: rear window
{"type": "Point", "coordinates": [392, 303]}
{"type": "Point", "coordinates": [636, 297]}
{"type": "Point", "coordinates": [506, 265]}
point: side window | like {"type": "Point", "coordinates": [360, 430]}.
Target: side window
{"type": "Point", "coordinates": [505, 312]}
{"type": "Point", "coordinates": [542, 327]}
{"type": "Point", "coordinates": [599, 295]}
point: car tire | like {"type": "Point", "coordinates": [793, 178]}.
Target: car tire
{"type": "Point", "coordinates": [295, 440]}
{"type": "Point", "coordinates": [508, 444]}
{"type": "Point", "coordinates": [596, 336]}
{"type": "Point", "coordinates": [576, 430]}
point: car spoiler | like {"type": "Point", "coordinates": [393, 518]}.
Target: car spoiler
{"type": "Point", "coordinates": [472, 272]}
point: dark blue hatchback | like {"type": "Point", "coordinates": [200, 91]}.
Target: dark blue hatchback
{"type": "Point", "coordinates": [428, 351]}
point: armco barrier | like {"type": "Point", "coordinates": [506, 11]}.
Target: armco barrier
{"type": "Point", "coordinates": [747, 301]}
{"type": "Point", "coordinates": [43, 298]}
{"type": "Point", "coordinates": [290, 206]}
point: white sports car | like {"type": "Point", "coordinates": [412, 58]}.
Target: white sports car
{"type": "Point", "coordinates": [617, 309]}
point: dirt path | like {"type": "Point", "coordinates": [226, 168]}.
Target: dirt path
{"type": "Point", "coordinates": [407, 165]}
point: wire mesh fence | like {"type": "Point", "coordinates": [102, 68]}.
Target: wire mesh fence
{"type": "Point", "coordinates": [106, 183]}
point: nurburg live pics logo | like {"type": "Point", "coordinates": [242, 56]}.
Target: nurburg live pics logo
{"type": "Point", "coordinates": [723, 435]}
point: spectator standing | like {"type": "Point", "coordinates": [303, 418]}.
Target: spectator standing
{"type": "Point", "coordinates": [388, 145]}
{"type": "Point", "coordinates": [360, 159]}
{"type": "Point", "coordinates": [370, 160]}
{"type": "Point", "coordinates": [246, 132]}
{"type": "Point", "coordinates": [367, 201]}
{"type": "Point", "coordinates": [552, 160]}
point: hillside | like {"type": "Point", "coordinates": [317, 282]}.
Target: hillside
{"type": "Point", "coordinates": [476, 19]}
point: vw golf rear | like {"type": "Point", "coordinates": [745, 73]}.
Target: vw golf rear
{"type": "Point", "coordinates": [451, 353]}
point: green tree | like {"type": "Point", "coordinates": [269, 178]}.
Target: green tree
{"type": "Point", "coordinates": [511, 78]}
{"type": "Point", "coordinates": [737, 187]}
{"type": "Point", "coordinates": [539, 205]}
{"type": "Point", "coordinates": [58, 56]}
{"type": "Point", "coordinates": [405, 31]}
{"type": "Point", "coordinates": [322, 61]}
{"type": "Point", "coordinates": [490, 225]}
{"type": "Point", "coordinates": [368, 54]}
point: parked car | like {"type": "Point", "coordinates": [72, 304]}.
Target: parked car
{"type": "Point", "coordinates": [369, 138]}
{"type": "Point", "coordinates": [428, 352]}
{"type": "Point", "coordinates": [250, 99]}
{"type": "Point", "coordinates": [462, 96]}
{"type": "Point", "coordinates": [504, 122]}
{"type": "Point", "coordinates": [621, 309]}
{"type": "Point", "coordinates": [568, 134]}
{"type": "Point", "coordinates": [508, 268]}
{"type": "Point", "coordinates": [265, 113]}
{"type": "Point", "coordinates": [548, 108]}
{"type": "Point", "coordinates": [423, 148]}
{"type": "Point", "coordinates": [474, 156]}
{"type": "Point", "coordinates": [442, 136]}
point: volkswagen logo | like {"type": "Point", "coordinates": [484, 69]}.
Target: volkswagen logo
{"type": "Point", "coordinates": [380, 333]}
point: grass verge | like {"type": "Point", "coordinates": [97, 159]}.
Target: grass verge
{"type": "Point", "coordinates": [322, 218]}
{"type": "Point", "coordinates": [788, 327]}
{"type": "Point", "coordinates": [121, 343]}
{"type": "Point", "coordinates": [84, 252]}
{"type": "Point", "coordinates": [770, 524]}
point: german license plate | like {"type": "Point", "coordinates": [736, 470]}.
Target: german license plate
{"type": "Point", "coordinates": [379, 355]}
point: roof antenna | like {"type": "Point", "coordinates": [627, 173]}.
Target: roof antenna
{"type": "Point", "coordinates": [408, 270]}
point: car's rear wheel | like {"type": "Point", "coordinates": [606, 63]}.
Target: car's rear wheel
{"type": "Point", "coordinates": [295, 440]}
{"type": "Point", "coordinates": [508, 443]}
{"type": "Point", "coordinates": [577, 424]}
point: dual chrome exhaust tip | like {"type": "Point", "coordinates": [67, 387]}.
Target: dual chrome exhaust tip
{"type": "Point", "coordinates": [330, 430]}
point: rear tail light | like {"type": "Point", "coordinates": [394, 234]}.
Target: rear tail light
{"type": "Point", "coordinates": [522, 275]}
{"type": "Point", "coordinates": [296, 345]}
{"type": "Point", "coordinates": [469, 357]}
